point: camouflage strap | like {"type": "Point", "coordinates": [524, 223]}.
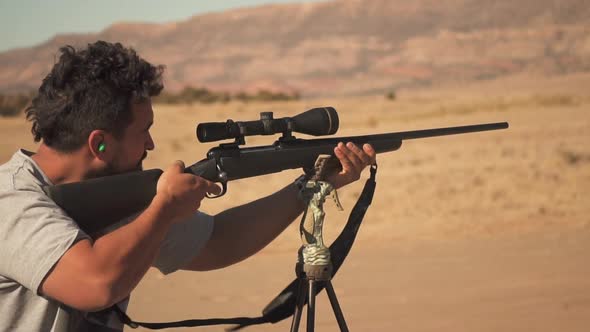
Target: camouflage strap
{"type": "Point", "coordinates": [314, 193]}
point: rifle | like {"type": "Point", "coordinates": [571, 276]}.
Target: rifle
{"type": "Point", "coordinates": [98, 203]}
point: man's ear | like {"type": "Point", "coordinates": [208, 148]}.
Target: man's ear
{"type": "Point", "coordinates": [98, 144]}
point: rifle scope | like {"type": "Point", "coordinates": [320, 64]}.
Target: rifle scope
{"type": "Point", "coordinates": [317, 122]}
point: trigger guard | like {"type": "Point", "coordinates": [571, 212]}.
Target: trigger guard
{"type": "Point", "coordinates": [223, 191]}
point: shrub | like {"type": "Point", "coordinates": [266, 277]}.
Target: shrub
{"type": "Point", "coordinates": [12, 105]}
{"type": "Point", "coordinates": [190, 95]}
{"type": "Point", "coordinates": [391, 95]}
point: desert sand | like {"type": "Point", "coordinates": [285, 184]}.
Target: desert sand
{"type": "Point", "coordinates": [480, 232]}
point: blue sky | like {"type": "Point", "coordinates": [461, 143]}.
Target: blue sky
{"type": "Point", "coordinates": [29, 22]}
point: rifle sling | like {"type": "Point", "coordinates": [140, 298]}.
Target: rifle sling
{"type": "Point", "coordinates": [283, 305]}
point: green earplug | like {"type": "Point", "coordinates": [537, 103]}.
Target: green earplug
{"type": "Point", "coordinates": [102, 147]}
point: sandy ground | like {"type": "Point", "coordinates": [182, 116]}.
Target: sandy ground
{"type": "Point", "coordinates": [480, 232]}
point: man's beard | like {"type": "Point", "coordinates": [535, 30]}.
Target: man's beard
{"type": "Point", "coordinates": [107, 171]}
{"type": "Point", "coordinates": [110, 169]}
{"type": "Point", "coordinates": [139, 166]}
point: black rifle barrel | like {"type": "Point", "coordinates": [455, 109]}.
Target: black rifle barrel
{"type": "Point", "coordinates": [406, 135]}
{"type": "Point", "coordinates": [451, 130]}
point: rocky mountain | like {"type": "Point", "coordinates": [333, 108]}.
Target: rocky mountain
{"type": "Point", "coordinates": [344, 46]}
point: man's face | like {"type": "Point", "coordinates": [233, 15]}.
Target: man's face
{"type": "Point", "coordinates": [132, 148]}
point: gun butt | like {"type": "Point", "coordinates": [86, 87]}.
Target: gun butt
{"type": "Point", "coordinates": [106, 200]}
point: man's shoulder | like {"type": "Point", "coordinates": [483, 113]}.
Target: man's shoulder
{"type": "Point", "coordinates": [21, 173]}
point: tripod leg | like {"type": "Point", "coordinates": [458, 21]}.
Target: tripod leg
{"type": "Point", "coordinates": [336, 307]}
{"type": "Point", "coordinates": [301, 295]}
{"type": "Point", "coordinates": [311, 306]}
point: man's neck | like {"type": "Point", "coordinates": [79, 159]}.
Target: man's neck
{"type": "Point", "coordinates": [61, 167]}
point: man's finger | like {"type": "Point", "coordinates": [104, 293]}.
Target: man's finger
{"type": "Point", "coordinates": [363, 157]}
{"type": "Point", "coordinates": [208, 186]}
{"type": "Point", "coordinates": [214, 189]}
{"type": "Point", "coordinates": [368, 149]}
{"type": "Point", "coordinates": [343, 158]}
{"type": "Point", "coordinates": [179, 164]}
{"type": "Point", "coordinates": [356, 162]}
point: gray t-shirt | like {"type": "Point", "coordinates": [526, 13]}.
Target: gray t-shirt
{"type": "Point", "coordinates": [34, 235]}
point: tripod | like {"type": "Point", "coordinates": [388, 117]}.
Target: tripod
{"type": "Point", "coordinates": [309, 276]}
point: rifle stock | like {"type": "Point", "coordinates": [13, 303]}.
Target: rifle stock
{"type": "Point", "coordinates": [98, 203]}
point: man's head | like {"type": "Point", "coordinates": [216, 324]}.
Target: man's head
{"type": "Point", "coordinates": [98, 99]}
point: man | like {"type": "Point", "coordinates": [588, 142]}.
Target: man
{"type": "Point", "coordinates": [92, 116]}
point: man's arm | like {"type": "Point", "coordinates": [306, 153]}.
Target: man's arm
{"type": "Point", "coordinates": [242, 231]}
{"type": "Point", "coordinates": [92, 276]}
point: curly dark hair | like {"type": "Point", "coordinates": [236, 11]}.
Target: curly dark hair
{"type": "Point", "coordinates": [91, 89]}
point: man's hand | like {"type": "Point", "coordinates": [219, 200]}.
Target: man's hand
{"type": "Point", "coordinates": [353, 161]}
{"type": "Point", "coordinates": [182, 193]}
